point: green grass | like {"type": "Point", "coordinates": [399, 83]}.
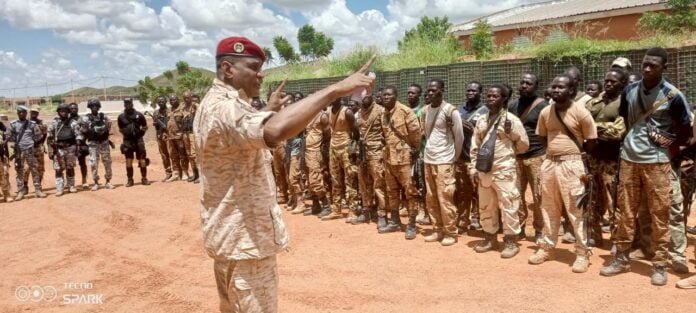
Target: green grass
{"type": "Point", "coordinates": [421, 53]}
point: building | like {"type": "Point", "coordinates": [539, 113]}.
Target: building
{"type": "Point", "coordinates": [560, 19]}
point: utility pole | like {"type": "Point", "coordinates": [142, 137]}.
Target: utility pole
{"type": "Point", "coordinates": [104, 86]}
{"type": "Point", "coordinates": [72, 90]}
{"type": "Point", "coordinates": [48, 98]}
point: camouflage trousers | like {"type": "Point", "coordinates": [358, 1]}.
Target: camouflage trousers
{"type": "Point", "coordinates": [439, 197]}
{"type": "Point", "coordinates": [190, 148]}
{"type": "Point", "coordinates": [65, 160]}
{"type": "Point", "coordinates": [40, 164]}
{"type": "Point", "coordinates": [560, 188]}
{"type": "Point", "coordinates": [372, 185]}
{"type": "Point", "coordinates": [499, 201]}
{"type": "Point", "coordinates": [164, 153]}
{"type": "Point", "coordinates": [677, 228]}
{"type": "Point", "coordinates": [295, 177]}
{"type": "Point", "coordinates": [315, 178]}
{"type": "Point", "coordinates": [398, 178]}
{"type": "Point", "coordinates": [653, 181]}
{"type": "Point", "coordinates": [177, 153]}
{"type": "Point", "coordinates": [5, 177]}
{"type": "Point", "coordinates": [604, 177]}
{"type": "Point", "coordinates": [465, 196]}
{"type": "Point", "coordinates": [279, 172]}
{"type": "Point", "coordinates": [100, 151]}
{"type": "Point", "coordinates": [528, 171]}
{"type": "Point", "coordinates": [27, 159]}
{"type": "Point", "coordinates": [343, 179]}
{"type": "Point", "coordinates": [247, 285]}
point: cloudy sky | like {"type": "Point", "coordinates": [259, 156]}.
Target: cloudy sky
{"type": "Point", "coordinates": [44, 44]}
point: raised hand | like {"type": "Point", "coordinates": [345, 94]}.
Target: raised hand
{"type": "Point", "coordinates": [278, 97]}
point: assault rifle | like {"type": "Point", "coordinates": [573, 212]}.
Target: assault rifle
{"type": "Point", "coordinates": [418, 172]}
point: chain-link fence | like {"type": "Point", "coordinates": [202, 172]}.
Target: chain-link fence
{"type": "Point", "coordinates": [681, 72]}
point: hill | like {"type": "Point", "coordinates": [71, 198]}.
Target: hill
{"type": "Point", "coordinates": [159, 80]}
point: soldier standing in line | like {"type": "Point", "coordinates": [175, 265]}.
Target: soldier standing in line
{"type": "Point", "coordinates": [64, 137]}
{"type": "Point", "coordinates": [175, 142]}
{"type": "Point", "coordinates": [497, 138]}
{"type": "Point", "coordinates": [280, 174]}
{"type": "Point", "coordinates": [413, 94]}
{"type": "Point", "coordinates": [160, 120]}
{"type": "Point", "coordinates": [371, 160]}
{"type": "Point", "coordinates": [188, 112]}
{"type": "Point", "coordinates": [96, 128]}
{"type": "Point", "coordinates": [25, 134]}
{"type": "Point", "coordinates": [132, 125]}
{"type": "Point", "coordinates": [4, 166]}
{"type": "Point", "coordinates": [657, 116]}
{"type": "Point", "coordinates": [442, 127]}
{"type": "Point", "coordinates": [343, 171]}
{"type": "Point", "coordinates": [402, 134]}
{"type": "Point", "coordinates": [604, 159]}
{"type": "Point", "coordinates": [318, 131]}
{"type": "Point", "coordinates": [294, 151]}
{"type": "Point", "coordinates": [82, 150]}
{"type": "Point", "coordinates": [527, 108]}
{"type": "Point", "coordinates": [566, 125]}
{"type": "Point", "coordinates": [466, 193]}
{"type": "Point", "coordinates": [39, 151]}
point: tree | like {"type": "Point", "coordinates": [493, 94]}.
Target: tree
{"type": "Point", "coordinates": [269, 55]}
{"type": "Point", "coordinates": [285, 49]}
{"type": "Point", "coordinates": [313, 44]}
{"type": "Point", "coordinates": [431, 29]}
{"type": "Point", "coordinates": [682, 18]}
{"type": "Point", "coordinates": [182, 67]}
{"type": "Point", "coordinates": [482, 40]}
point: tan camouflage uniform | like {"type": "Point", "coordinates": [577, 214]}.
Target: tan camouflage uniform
{"type": "Point", "coordinates": [162, 139]}
{"type": "Point", "coordinates": [241, 220]}
{"type": "Point", "coordinates": [402, 134]}
{"type": "Point", "coordinates": [343, 171]}
{"type": "Point", "coordinates": [499, 196]}
{"type": "Point", "coordinates": [175, 144]}
{"type": "Point", "coordinates": [313, 157]}
{"type": "Point", "coordinates": [188, 113]}
{"type": "Point", "coordinates": [371, 172]}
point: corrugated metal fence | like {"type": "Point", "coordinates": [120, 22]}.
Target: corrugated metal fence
{"type": "Point", "coordinates": [681, 72]}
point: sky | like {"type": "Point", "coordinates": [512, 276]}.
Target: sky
{"type": "Point", "coordinates": [47, 46]}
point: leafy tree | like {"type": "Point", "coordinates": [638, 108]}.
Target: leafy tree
{"type": "Point", "coordinates": [431, 29]}
{"type": "Point", "coordinates": [313, 44]}
{"type": "Point", "coordinates": [285, 49]}
{"type": "Point", "coordinates": [682, 18]}
{"type": "Point", "coordinates": [269, 55]}
{"type": "Point", "coordinates": [182, 67]}
{"type": "Point", "coordinates": [322, 45]}
{"type": "Point", "coordinates": [482, 40]}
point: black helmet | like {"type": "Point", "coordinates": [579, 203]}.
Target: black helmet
{"type": "Point", "coordinates": [63, 107]}
{"type": "Point", "coordinates": [94, 102]}
{"type": "Point", "coordinates": [127, 100]}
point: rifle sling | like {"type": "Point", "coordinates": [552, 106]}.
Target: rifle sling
{"type": "Point", "coordinates": [526, 112]}
{"type": "Point", "coordinates": [20, 135]}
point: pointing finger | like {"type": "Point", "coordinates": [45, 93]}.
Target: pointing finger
{"type": "Point", "coordinates": [367, 65]}
{"type": "Point", "coordinates": [281, 86]}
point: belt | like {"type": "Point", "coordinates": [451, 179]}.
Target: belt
{"type": "Point", "coordinates": [566, 157]}
{"type": "Point", "coordinates": [65, 144]}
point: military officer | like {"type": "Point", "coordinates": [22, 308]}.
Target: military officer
{"type": "Point", "coordinates": [64, 137]}
{"type": "Point", "coordinates": [25, 133]}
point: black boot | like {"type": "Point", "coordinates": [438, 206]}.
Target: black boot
{"type": "Point", "coordinates": [316, 208]}
{"type": "Point", "coordinates": [394, 224]}
{"type": "Point", "coordinates": [411, 228]}
{"type": "Point", "coordinates": [143, 173]}
{"type": "Point", "coordinates": [325, 207]}
{"type": "Point", "coordinates": [381, 222]}
{"type": "Point", "coordinates": [129, 174]}
{"type": "Point", "coordinates": [364, 217]}
{"type": "Point", "coordinates": [193, 177]}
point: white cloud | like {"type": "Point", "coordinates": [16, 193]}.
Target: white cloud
{"type": "Point", "coordinates": [42, 14]}
{"type": "Point", "coordinates": [10, 61]}
{"type": "Point", "coordinates": [313, 5]}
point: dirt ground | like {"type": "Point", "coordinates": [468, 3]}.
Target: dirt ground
{"type": "Point", "coordinates": [139, 249]}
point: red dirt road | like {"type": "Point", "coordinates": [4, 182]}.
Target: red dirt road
{"type": "Point", "coordinates": [140, 250]}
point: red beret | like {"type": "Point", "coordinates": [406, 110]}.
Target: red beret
{"type": "Point", "coordinates": [239, 46]}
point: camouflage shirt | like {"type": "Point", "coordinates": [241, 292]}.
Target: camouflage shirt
{"type": "Point", "coordinates": [402, 133]}
{"type": "Point", "coordinates": [57, 125]}
{"type": "Point", "coordinates": [32, 134]}
{"type": "Point", "coordinates": [240, 217]}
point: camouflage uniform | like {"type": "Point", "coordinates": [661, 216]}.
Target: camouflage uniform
{"type": "Point", "coordinates": [295, 173]}
{"type": "Point", "coordinates": [465, 196]}
{"type": "Point", "coordinates": [343, 171]}
{"type": "Point", "coordinates": [241, 221]}
{"type": "Point", "coordinates": [25, 151]}
{"type": "Point", "coordinates": [280, 173]}
{"type": "Point", "coordinates": [4, 169]}
{"type": "Point", "coordinates": [402, 134]}
{"type": "Point", "coordinates": [499, 196]}
{"type": "Point", "coordinates": [99, 146]}
{"type": "Point", "coordinates": [187, 115]}
{"type": "Point", "coordinates": [175, 144]}
{"type": "Point", "coordinates": [63, 135]}
{"type": "Point", "coordinates": [161, 115]}
{"type": "Point", "coordinates": [39, 152]}
{"type": "Point", "coordinates": [604, 159]}
{"type": "Point", "coordinates": [313, 157]}
{"type": "Point", "coordinates": [371, 171]}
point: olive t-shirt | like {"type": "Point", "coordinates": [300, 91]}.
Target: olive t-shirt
{"type": "Point", "coordinates": [579, 121]}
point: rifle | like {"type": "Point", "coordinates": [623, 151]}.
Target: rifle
{"type": "Point", "coordinates": [161, 125]}
{"type": "Point", "coordinates": [615, 196]}
{"type": "Point", "coordinates": [418, 172]}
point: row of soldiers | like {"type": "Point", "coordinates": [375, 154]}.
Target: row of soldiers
{"type": "Point", "coordinates": [69, 138]}
{"type": "Point", "coordinates": [461, 166]}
